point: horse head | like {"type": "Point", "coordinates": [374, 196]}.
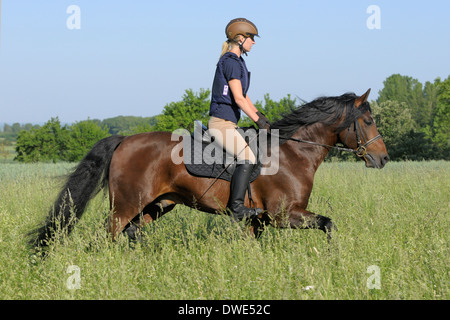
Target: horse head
{"type": "Point", "coordinates": [363, 136]}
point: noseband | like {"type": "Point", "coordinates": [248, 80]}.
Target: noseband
{"type": "Point", "coordinates": [361, 151]}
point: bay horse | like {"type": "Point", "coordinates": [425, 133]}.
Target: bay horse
{"type": "Point", "coordinates": [144, 183]}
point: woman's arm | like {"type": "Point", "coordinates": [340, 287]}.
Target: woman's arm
{"type": "Point", "coordinates": [245, 104]}
{"type": "Point", "coordinates": [251, 104]}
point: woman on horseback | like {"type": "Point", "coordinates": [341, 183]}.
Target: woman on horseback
{"type": "Point", "coordinates": [229, 97]}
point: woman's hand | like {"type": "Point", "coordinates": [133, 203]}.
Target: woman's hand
{"type": "Point", "coordinates": [263, 122]}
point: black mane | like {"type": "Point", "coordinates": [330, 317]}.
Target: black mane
{"type": "Point", "coordinates": [326, 110]}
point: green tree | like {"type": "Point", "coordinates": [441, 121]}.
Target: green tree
{"type": "Point", "coordinates": [414, 146]}
{"type": "Point", "coordinates": [430, 94]}
{"type": "Point", "coordinates": [47, 143]}
{"type": "Point", "coordinates": [393, 119]}
{"type": "Point", "coordinates": [7, 128]}
{"type": "Point", "coordinates": [181, 114]}
{"type": "Point", "coordinates": [27, 148]}
{"type": "Point", "coordinates": [396, 125]}
{"type": "Point", "coordinates": [142, 128]}
{"type": "Point", "coordinates": [83, 136]}
{"type": "Point", "coordinates": [4, 152]}
{"type": "Point", "coordinates": [273, 110]}
{"type": "Point", "coordinates": [441, 119]}
{"type": "Point", "coordinates": [16, 127]}
{"type": "Point", "coordinates": [409, 90]}
{"type": "Point", "coordinates": [127, 124]}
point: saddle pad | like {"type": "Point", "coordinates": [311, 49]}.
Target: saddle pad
{"type": "Point", "coordinates": [211, 170]}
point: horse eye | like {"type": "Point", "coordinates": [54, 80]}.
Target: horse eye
{"type": "Point", "coordinates": [368, 122]}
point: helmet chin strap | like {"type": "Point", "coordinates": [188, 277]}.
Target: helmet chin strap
{"type": "Point", "coordinates": [241, 46]}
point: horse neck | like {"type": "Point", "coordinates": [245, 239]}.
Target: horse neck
{"type": "Point", "coordinates": [318, 133]}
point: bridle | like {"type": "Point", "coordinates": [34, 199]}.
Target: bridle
{"type": "Point", "coordinates": [360, 151]}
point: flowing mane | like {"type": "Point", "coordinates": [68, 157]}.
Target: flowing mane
{"type": "Point", "coordinates": [326, 110]}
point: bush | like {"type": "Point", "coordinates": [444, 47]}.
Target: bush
{"type": "Point", "coordinates": [53, 142]}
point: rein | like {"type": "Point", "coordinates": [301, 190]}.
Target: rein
{"type": "Point", "coordinates": [360, 151]}
{"type": "Point", "coordinates": [318, 144]}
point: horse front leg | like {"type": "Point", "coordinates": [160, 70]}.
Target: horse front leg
{"type": "Point", "coordinates": [304, 219]}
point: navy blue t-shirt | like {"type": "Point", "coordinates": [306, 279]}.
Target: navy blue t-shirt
{"type": "Point", "coordinates": [223, 105]}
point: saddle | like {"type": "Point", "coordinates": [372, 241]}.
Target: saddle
{"type": "Point", "coordinates": [204, 158]}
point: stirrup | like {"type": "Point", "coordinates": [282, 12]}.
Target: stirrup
{"type": "Point", "coordinates": [245, 213]}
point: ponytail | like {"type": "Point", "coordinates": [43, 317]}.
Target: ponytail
{"type": "Point", "coordinates": [225, 48]}
{"type": "Point", "coordinates": [229, 44]}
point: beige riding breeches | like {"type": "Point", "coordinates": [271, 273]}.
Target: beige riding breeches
{"type": "Point", "coordinates": [225, 134]}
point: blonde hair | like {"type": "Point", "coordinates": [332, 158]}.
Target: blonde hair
{"type": "Point", "coordinates": [229, 44]}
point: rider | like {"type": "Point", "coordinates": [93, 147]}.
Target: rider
{"type": "Point", "coordinates": [229, 97]}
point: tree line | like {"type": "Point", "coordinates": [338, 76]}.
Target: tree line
{"type": "Point", "coordinates": [412, 117]}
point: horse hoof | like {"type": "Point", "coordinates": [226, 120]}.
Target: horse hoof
{"type": "Point", "coordinates": [133, 232]}
{"type": "Point", "coordinates": [330, 229]}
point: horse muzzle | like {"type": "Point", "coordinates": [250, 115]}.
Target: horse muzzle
{"type": "Point", "coordinates": [377, 161]}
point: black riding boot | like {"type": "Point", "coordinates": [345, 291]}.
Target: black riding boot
{"type": "Point", "coordinates": [239, 184]}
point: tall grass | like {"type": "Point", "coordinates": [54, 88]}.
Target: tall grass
{"type": "Point", "coordinates": [395, 219]}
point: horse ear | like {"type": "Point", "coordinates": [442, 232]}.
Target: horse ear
{"type": "Point", "coordinates": [359, 101]}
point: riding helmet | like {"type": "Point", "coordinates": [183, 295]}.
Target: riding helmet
{"type": "Point", "coordinates": [240, 26]}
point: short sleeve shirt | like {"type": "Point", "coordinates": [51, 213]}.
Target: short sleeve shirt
{"type": "Point", "coordinates": [223, 105]}
{"type": "Point", "coordinates": [232, 69]}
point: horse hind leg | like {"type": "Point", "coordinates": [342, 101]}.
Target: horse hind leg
{"type": "Point", "coordinates": [118, 221]}
{"type": "Point", "coordinates": [326, 225]}
{"type": "Point", "coordinates": [150, 213]}
{"type": "Point", "coordinates": [305, 219]}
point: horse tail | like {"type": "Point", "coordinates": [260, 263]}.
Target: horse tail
{"type": "Point", "coordinates": [89, 177]}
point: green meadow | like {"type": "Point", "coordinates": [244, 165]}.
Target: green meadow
{"type": "Point", "coordinates": [392, 243]}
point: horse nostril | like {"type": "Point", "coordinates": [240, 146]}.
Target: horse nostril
{"type": "Point", "coordinates": [385, 159]}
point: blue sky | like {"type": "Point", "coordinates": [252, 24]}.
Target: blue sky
{"type": "Point", "coordinates": [134, 57]}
